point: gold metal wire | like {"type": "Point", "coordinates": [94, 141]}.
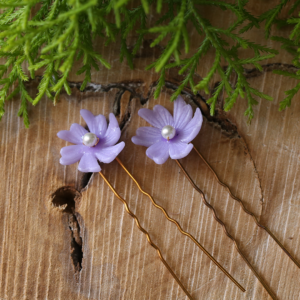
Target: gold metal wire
{"type": "Point", "coordinates": [225, 230]}
{"type": "Point", "coordinates": [179, 227]}
{"type": "Point", "coordinates": [147, 235]}
{"type": "Point", "coordinates": [247, 211]}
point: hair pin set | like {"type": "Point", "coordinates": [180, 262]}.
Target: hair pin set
{"type": "Point", "coordinates": [169, 136]}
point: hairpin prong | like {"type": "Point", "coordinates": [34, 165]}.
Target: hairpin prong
{"type": "Point", "coordinates": [246, 210]}
{"type": "Point", "coordinates": [179, 226]}
{"type": "Point", "coordinates": [225, 229]}
{"type": "Point", "coordinates": [147, 235]}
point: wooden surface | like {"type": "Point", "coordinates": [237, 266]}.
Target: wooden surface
{"type": "Point", "coordinates": [41, 237]}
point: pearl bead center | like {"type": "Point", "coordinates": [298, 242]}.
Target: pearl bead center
{"type": "Point", "coordinates": [90, 139]}
{"type": "Point", "coordinates": [168, 132]}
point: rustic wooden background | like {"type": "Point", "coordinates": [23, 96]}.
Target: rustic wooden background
{"type": "Point", "coordinates": [41, 236]}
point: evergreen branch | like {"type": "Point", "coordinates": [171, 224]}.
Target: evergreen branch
{"type": "Point", "coordinates": [160, 84]}
{"type": "Point", "coordinates": [286, 102]}
{"type": "Point", "coordinates": [205, 81]}
{"type": "Point", "coordinates": [159, 6]}
{"type": "Point", "coordinates": [290, 44]}
{"type": "Point", "coordinates": [57, 34]}
{"type": "Point", "coordinates": [230, 56]}
{"type": "Point", "coordinates": [294, 7]}
{"type": "Point", "coordinates": [287, 74]}
{"type": "Point", "coordinates": [271, 15]}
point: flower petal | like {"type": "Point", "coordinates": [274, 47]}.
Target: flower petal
{"type": "Point", "coordinates": [150, 116]}
{"type": "Point", "coordinates": [78, 130]}
{"type": "Point", "coordinates": [108, 154]}
{"type": "Point", "coordinates": [190, 131]}
{"type": "Point", "coordinates": [96, 124]}
{"type": "Point", "coordinates": [99, 126]}
{"type": "Point", "coordinates": [113, 132]}
{"type": "Point", "coordinates": [88, 118]}
{"type": "Point", "coordinates": [163, 115]}
{"type": "Point", "coordinates": [183, 113]}
{"type": "Point", "coordinates": [179, 150]}
{"type": "Point", "coordinates": [146, 136]}
{"type": "Point", "coordinates": [71, 154]}
{"type": "Point", "coordinates": [88, 163]}
{"type": "Point", "coordinates": [68, 136]}
{"type": "Point", "coordinates": [159, 152]}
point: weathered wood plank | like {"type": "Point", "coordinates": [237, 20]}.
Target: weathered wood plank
{"type": "Point", "coordinates": [259, 162]}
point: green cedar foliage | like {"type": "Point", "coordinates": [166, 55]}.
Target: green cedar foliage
{"type": "Point", "coordinates": [51, 35]}
{"type": "Point", "coordinates": [290, 44]}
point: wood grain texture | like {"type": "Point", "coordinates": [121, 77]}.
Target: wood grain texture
{"type": "Point", "coordinates": [260, 163]}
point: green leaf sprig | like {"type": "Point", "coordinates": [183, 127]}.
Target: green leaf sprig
{"type": "Point", "coordinates": [52, 35]}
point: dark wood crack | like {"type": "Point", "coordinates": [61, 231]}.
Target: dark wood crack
{"type": "Point", "coordinates": [86, 179]}
{"type": "Point", "coordinates": [76, 244]}
{"type": "Point", "coordinates": [251, 73]}
{"type": "Point", "coordinates": [65, 199]}
{"type": "Point", "coordinates": [135, 88]}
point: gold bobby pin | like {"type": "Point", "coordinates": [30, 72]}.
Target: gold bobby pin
{"type": "Point", "coordinates": [170, 136]}
{"type": "Point", "coordinates": [179, 227]}
{"type": "Point", "coordinates": [147, 235]}
{"type": "Point", "coordinates": [225, 230]}
{"type": "Point", "coordinates": [247, 211]}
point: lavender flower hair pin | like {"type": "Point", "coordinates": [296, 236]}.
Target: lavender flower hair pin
{"type": "Point", "coordinates": [170, 136]}
{"type": "Point", "coordinates": [98, 144]}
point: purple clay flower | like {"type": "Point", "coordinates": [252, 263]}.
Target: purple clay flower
{"type": "Point", "coordinates": [169, 136]}
{"type": "Point", "coordinates": [98, 144]}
